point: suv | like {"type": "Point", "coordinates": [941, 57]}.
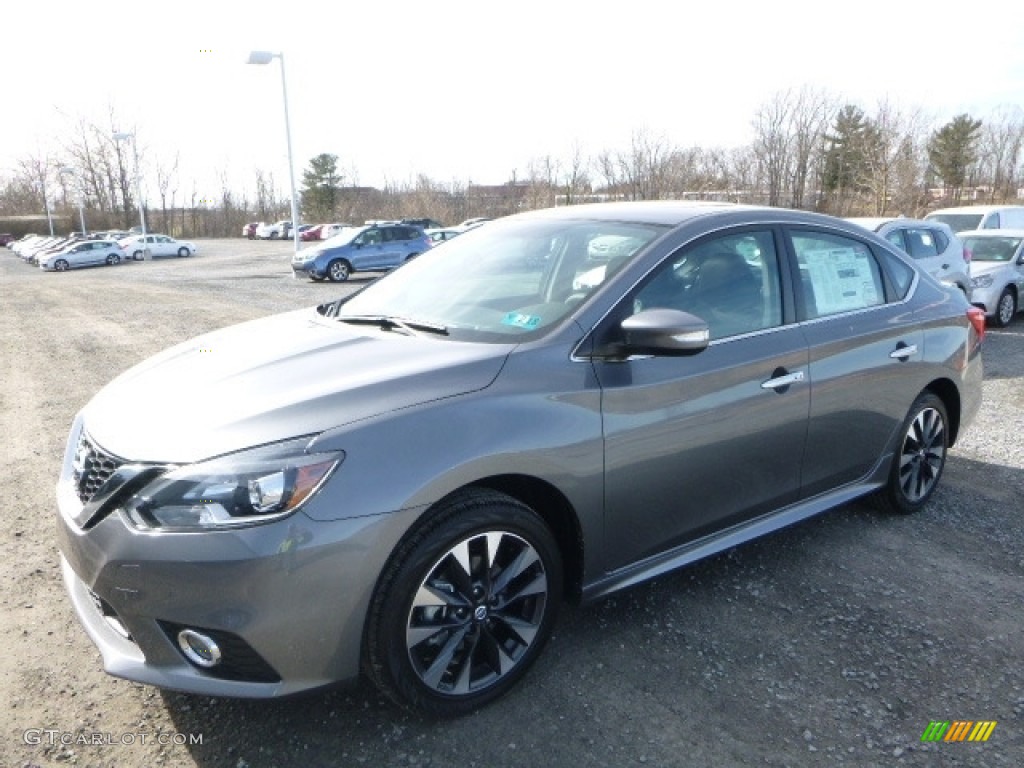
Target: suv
{"type": "Point", "coordinates": [374, 247]}
{"type": "Point", "coordinates": [980, 217]}
{"type": "Point", "coordinates": [932, 244]}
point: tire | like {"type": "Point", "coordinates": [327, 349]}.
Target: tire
{"type": "Point", "coordinates": [339, 270]}
{"type": "Point", "coordinates": [1006, 308]}
{"type": "Point", "coordinates": [273, 235]}
{"type": "Point", "coordinates": [183, 252]}
{"type": "Point", "coordinates": [137, 256]}
{"type": "Point", "coordinates": [919, 461]}
{"type": "Point", "coordinates": [61, 265]}
{"type": "Point", "coordinates": [315, 278]}
{"type": "Point", "coordinates": [411, 256]}
{"type": "Point", "coordinates": [113, 259]}
{"type": "Point", "coordinates": [446, 633]}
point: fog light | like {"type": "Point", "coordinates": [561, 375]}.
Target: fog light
{"type": "Point", "coordinates": [200, 649]}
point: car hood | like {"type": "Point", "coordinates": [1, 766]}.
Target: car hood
{"type": "Point", "coordinates": [985, 267]}
{"type": "Point", "coordinates": [272, 379]}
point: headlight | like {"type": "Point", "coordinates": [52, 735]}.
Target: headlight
{"type": "Point", "coordinates": [982, 281]}
{"type": "Point", "coordinates": [242, 489]}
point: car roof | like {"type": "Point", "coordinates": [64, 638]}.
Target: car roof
{"type": "Point", "coordinates": [992, 233]}
{"type": "Point", "coordinates": [674, 212]}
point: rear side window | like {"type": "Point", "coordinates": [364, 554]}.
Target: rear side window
{"type": "Point", "coordinates": [992, 222]}
{"type": "Point", "coordinates": [837, 274]}
{"type": "Point", "coordinates": [921, 244]}
{"type": "Point", "coordinates": [941, 241]}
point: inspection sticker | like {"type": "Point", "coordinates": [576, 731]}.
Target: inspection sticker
{"type": "Point", "coordinates": [520, 320]}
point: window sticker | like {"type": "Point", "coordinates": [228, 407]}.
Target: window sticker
{"type": "Point", "coordinates": [842, 279]}
{"type": "Point", "coordinates": [520, 320]}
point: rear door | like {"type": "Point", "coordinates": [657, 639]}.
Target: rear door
{"type": "Point", "coordinates": [865, 357]}
{"type": "Point", "coordinates": [694, 444]}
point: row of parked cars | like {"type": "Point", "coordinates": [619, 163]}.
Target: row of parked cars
{"type": "Point", "coordinates": [59, 254]}
{"type": "Point", "coordinates": [375, 246]}
{"type": "Point", "coordinates": [978, 249]}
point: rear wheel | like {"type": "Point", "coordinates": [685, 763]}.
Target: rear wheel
{"type": "Point", "coordinates": [464, 606]}
{"type": "Point", "coordinates": [918, 464]}
{"type": "Point", "coordinates": [61, 265]}
{"type": "Point", "coordinates": [273, 235]}
{"type": "Point", "coordinates": [411, 256]}
{"type": "Point", "coordinates": [339, 270]}
{"type": "Point", "coordinates": [137, 256]}
{"type": "Point", "coordinates": [1006, 308]}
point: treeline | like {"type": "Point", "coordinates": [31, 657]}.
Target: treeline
{"type": "Point", "coordinates": [810, 150]}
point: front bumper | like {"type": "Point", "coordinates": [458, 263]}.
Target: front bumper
{"type": "Point", "coordinates": [288, 598]}
{"type": "Point", "coordinates": [987, 298]}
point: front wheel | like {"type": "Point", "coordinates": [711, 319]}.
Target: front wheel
{"type": "Point", "coordinates": [338, 271]}
{"type": "Point", "coordinates": [183, 252]}
{"type": "Point", "coordinates": [1006, 308]}
{"type": "Point", "coordinates": [464, 606]}
{"type": "Point", "coordinates": [917, 467]}
{"type": "Point", "coordinates": [137, 256]}
{"type": "Point", "coordinates": [113, 259]}
{"type": "Point", "coordinates": [61, 265]}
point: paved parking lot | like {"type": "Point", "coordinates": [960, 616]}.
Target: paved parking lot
{"type": "Point", "coordinates": [835, 642]}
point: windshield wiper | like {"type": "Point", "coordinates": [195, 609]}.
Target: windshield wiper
{"type": "Point", "coordinates": [390, 323]}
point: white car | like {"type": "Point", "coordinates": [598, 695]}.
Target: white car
{"type": "Point", "coordinates": [997, 271]}
{"type": "Point", "coordinates": [157, 245]}
{"type": "Point", "coordinates": [327, 231]}
{"type": "Point", "coordinates": [279, 230]}
{"type": "Point", "coordinates": [87, 253]}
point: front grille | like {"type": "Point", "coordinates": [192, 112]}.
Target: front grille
{"type": "Point", "coordinates": [92, 468]}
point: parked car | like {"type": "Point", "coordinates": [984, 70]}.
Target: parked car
{"type": "Point", "coordinates": [362, 249]}
{"type": "Point", "coordinates": [157, 246]}
{"type": "Point", "coordinates": [967, 217]}
{"type": "Point", "coordinates": [931, 243]}
{"type": "Point", "coordinates": [331, 230]}
{"type": "Point", "coordinates": [423, 223]}
{"type": "Point", "coordinates": [87, 253]}
{"type": "Point", "coordinates": [998, 272]}
{"type": "Point", "coordinates": [249, 230]}
{"type": "Point", "coordinates": [280, 230]}
{"type": "Point", "coordinates": [312, 233]}
{"type": "Point", "coordinates": [440, 235]}
{"type": "Point", "coordinates": [407, 481]}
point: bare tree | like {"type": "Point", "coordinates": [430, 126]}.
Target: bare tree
{"type": "Point", "coordinates": [773, 144]}
{"type": "Point", "coordinates": [165, 178]}
{"type": "Point", "coordinates": [999, 155]}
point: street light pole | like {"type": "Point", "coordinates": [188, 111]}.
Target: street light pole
{"type": "Point", "coordinates": [265, 57]}
{"type": "Point", "coordinates": [118, 136]}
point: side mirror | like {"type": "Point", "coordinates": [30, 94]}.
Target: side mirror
{"type": "Point", "coordinates": [664, 332]}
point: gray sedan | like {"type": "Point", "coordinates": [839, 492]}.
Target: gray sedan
{"type": "Point", "coordinates": [408, 482]}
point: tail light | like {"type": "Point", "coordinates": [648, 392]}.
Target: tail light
{"type": "Point", "coordinates": [968, 255]}
{"type": "Point", "coordinates": [976, 317]}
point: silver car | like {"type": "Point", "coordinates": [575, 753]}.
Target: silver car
{"type": "Point", "coordinates": [932, 244]}
{"type": "Point", "coordinates": [998, 257]}
{"type": "Point", "coordinates": [87, 253]}
{"type": "Point", "coordinates": [409, 481]}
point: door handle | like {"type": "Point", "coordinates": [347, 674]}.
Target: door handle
{"type": "Point", "coordinates": [903, 353]}
{"type": "Point", "coordinates": [781, 382]}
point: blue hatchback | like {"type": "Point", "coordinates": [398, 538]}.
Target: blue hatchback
{"type": "Point", "coordinates": [358, 249]}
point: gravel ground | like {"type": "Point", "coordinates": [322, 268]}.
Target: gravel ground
{"type": "Point", "coordinates": [834, 642]}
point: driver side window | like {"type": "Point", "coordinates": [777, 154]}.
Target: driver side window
{"type": "Point", "coordinates": [730, 281]}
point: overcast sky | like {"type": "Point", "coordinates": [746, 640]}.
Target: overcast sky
{"type": "Point", "coordinates": [472, 91]}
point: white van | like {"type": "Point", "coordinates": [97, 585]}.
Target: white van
{"type": "Point", "coordinates": [980, 217]}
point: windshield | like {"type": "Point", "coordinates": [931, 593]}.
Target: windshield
{"type": "Point", "coordinates": [958, 222]}
{"type": "Point", "coordinates": [992, 248]}
{"type": "Point", "coordinates": [507, 281]}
